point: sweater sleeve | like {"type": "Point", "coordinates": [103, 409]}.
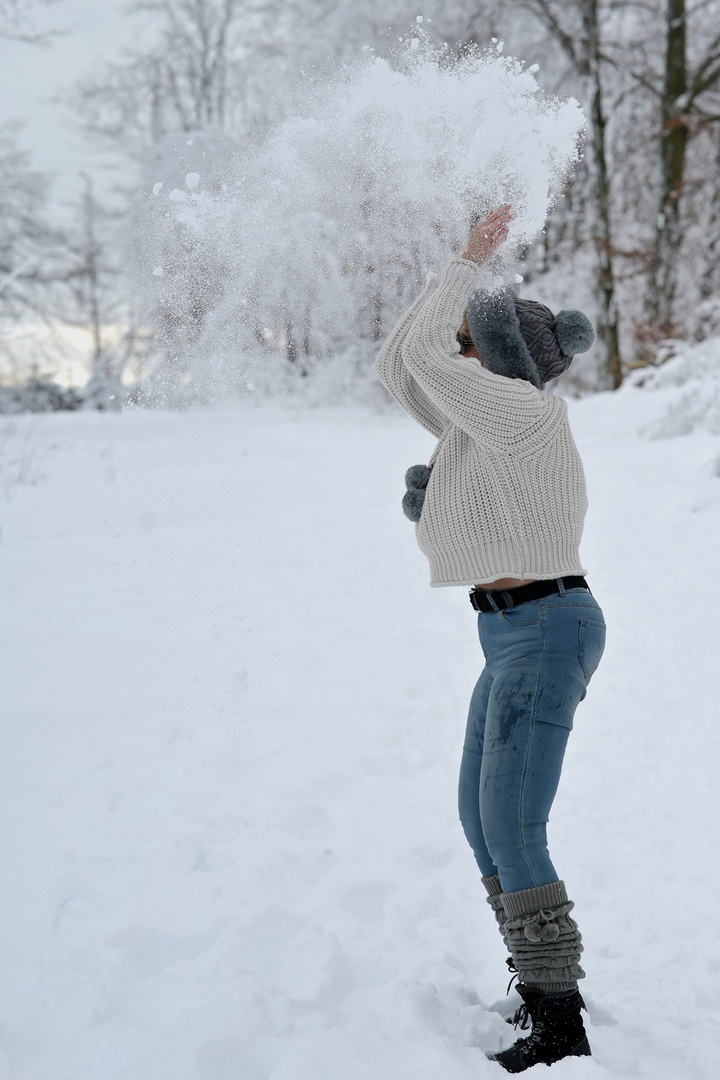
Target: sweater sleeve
{"type": "Point", "coordinates": [398, 380]}
{"type": "Point", "coordinates": [488, 407]}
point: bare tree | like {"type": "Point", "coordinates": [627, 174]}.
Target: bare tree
{"type": "Point", "coordinates": [24, 236]}
{"type": "Point", "coordinates": [91, 277]}
{"type": "Point", "coordinates": [191, 77]}
{"type": "Point", "coordinates": [674, 61]}
{"type": "Point", "coordinates": [29, 248]}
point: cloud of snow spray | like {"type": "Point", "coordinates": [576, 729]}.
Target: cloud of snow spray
{"type": "Point", "coordinates": [325, 232]}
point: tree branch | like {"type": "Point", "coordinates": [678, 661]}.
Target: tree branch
{"type": "Point", "coordinates": [43, 38]}
{"type": "Point", "coordinates": [641, 79]}
{"type": "Point", "coordinates": [543, 11]}
{"type": "Point", "coordinates": [702, 80]}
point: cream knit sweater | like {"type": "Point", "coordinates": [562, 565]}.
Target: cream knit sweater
{"type": "Point", "coordinates": [507, 493]}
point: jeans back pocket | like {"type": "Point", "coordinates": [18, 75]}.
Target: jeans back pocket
{"type": "Point", "coordinates": [592, 645]}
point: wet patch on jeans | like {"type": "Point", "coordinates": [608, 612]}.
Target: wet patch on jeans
{"type": "Point", "coordinates": [512, 707]}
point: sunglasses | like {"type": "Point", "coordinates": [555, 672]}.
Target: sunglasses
{"type": "Point", "coordinates": [464, 342]}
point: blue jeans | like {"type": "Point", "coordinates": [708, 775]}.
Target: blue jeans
{"type": "Point", "coordinates": [539, 658]}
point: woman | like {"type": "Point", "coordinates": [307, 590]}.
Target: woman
{"type": "Point", "coordinates": [503, 512]}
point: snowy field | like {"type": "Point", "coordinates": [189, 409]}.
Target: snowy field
{"type": "Point", "coordinates": [233, 712]}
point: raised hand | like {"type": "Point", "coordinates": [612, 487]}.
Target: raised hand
{"type": "Point", "coordinates": [488, 236]}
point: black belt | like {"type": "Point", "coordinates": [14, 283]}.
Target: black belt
{"type": "Point", "coordinates": [507, 598]}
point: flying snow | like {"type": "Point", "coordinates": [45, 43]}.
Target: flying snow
{"type": "Point", "coordinates": [427, 138]}
{"type": "Point", "coordinates": [331, 224]}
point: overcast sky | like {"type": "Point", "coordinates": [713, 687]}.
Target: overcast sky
{"type": "Point", "coordinates": [31, 76]}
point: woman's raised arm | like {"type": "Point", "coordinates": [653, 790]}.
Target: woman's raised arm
{"type": "Point", "coordinates": [399, 381]}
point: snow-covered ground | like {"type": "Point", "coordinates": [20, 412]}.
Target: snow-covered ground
{"type": "Point", "coordinates": [233, 712]}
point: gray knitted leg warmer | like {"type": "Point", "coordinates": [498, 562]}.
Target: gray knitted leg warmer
{"type": "Point", "coordinates": [544, 941]}
{"type": "Point", "coordinates": [495, 900]}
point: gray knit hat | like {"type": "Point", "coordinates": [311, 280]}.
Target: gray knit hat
{"type": "Point", "coordinates": [522, 339]}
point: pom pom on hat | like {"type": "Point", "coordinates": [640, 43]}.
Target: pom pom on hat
{"type": "Point", "coordinates": [574, 331]}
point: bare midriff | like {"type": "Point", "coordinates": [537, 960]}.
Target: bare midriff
{"type": "Point", "coordinates": [504, 583]}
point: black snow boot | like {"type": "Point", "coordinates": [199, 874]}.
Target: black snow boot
{"type": "Point", "coordinates": [557, 1032]}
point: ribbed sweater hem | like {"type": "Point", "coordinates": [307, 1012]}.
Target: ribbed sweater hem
{"type": "Point", "coordinates": [541, 562]}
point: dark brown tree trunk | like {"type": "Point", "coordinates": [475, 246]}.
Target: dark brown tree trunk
{"type": "Point", "coordinates": [674, 135]}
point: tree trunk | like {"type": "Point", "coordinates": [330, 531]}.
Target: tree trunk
{"type": "Point", "coordinates": [710, 280]}
{"type": "Point", "coordinates": [607, 328]}
{"type": "Point", "coordinates": [673, 144]}
{"type": "Point", "coordinates": [608, 322]}
{"type": "Point", "coordinates": [92, 277]}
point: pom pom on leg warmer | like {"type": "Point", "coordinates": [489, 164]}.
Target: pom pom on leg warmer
{"type": "Point", "coordinates": [544, 941]}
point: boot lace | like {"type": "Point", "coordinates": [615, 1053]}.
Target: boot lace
{"type": "Point", "coordinates": [522, 1018]}
{"type": "Point", "coordinates": [516, 974]}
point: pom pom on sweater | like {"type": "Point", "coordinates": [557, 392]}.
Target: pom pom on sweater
{"type": "Point", "coordinates": [413, 502]}
{"type": "Point", "coordinates": [416, 481]}
{"type": "Point", "coordinates": [418, 476]}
